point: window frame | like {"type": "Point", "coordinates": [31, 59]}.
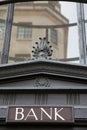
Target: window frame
{"type": "Point", "coordinates": [12, 1]}
{"type": "Point", "coordinates": [23, 34]}
{"type": "Point", "coordinates": [52, 31]}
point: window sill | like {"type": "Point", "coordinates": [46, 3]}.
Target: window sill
{"type": "Point", "coordinates": [23, 39]}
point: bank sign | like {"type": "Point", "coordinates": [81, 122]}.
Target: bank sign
{"type": "Point", "coordinates": [37, 114]}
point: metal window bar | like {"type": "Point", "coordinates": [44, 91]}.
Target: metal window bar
{"type": "Point", "coordinates": [82, 33]}
{"type": "Point", "coordinates": [7, 38]}
{"type": "Point", "coordinates": [14, 1]}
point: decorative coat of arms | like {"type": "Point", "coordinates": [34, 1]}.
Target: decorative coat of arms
{"type": "Point", "coordinates": [42, 82]}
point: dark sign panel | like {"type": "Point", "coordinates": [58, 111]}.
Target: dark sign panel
{"type": "Point", "coordinates": [44, 114]}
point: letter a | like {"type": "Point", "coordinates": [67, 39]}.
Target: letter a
{"type": "Point", "coordinates": [31, 114]}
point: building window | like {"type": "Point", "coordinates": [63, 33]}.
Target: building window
{"type": "Point", "coordinates": [2, 30]}
{"type": "Point", "coordinates": [53, 36]}
{"type": "Point", "coordinates": [24, 32]}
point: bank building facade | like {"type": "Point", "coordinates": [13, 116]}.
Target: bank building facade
{"type": "Point", "coordinates": [42, 93]}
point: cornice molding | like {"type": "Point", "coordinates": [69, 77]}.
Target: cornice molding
{"type": "Point", "coordinates": [49, 67]}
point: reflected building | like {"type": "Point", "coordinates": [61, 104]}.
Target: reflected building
{"type": "Point", "coordinates": [27, 29]}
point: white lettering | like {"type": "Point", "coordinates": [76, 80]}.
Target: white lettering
{"type": "Point", "coordinates": [31, 113]}
{"type": "Point", "coordinates": [57, 115]}
{"type": "Point", "coordinates": [19, 114]}
{"type": "Point", "coordinates": [48, 115]}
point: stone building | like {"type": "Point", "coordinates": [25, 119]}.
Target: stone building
{"type": "Point", "coordinates": [44, 85]}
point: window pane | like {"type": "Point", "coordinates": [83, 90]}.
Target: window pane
{"type": "Point", "coordinates": [73, 40]}
{"type": "Point", "coordinates": [53, 36]}
{"type": "Point", "coordinates": [24, 33]}
{"type": "Point", "coordinates": [54, 20]}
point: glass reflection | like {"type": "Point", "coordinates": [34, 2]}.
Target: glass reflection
{"type": "Point", "coordinates": [49, 19]}
{"type": "Point", "coordinates": [3, 12]}
{"type": "Point", "coordinates": [33, 20]}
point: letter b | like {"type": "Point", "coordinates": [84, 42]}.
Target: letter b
{"type": "Point", "coordinates": [19, 114]}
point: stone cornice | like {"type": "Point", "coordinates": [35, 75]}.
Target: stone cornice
{"type": "Point", "coordinates": [49, 67]}
{"type": "Point", "coordinates": [43, 7]}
